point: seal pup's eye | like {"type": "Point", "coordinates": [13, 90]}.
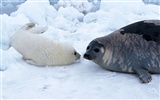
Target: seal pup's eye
{"type": "Point", "coordinates": [96, 50]}
{"type": "Point", "coordinates": [88, 47]}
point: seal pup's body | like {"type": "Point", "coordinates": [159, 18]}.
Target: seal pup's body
{"type": "Point", "coordinates": [41, 51]}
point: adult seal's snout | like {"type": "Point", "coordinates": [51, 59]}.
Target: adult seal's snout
{"type": "Point", "coordinates": [87, 56]}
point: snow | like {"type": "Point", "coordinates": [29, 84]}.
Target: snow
{"type": "Point", "coordinates": [9, 27]}
{"type": "Point", "coordinates": [83, 6]}
{"type": "Point", "coordinates": [8, 6]}
{"type": "Point", "coordinates": [156, 2]}
{"type": "Point", "coordinates": [76, 15]}
{"type": "Point", "coordinates": [83, 79]}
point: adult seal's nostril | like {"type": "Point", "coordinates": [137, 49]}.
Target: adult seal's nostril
{"type": "Point", "coordinates": [85, 55]}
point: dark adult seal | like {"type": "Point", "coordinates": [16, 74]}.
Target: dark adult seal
{"type": "Point", "coordinates": [134, 48]}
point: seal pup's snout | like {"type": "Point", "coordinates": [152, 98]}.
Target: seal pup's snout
{"type": "Point", "coordinates": [78, 56]}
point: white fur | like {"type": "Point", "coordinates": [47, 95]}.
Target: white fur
{"type": "Point", "coordinates": [39, 50]}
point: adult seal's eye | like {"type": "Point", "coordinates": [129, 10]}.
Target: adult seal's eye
{"type": "Point", "coordinates": [96, 50]}
{"type": "Point", "coordinates": [75, 53]}
{"type": "Point", "coordinates": [88, 47]}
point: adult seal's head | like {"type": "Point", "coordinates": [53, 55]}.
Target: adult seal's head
{"type": "Point", "coordinates": [94, 51]}
{"type": "Point", "coordinates": [134, 48]}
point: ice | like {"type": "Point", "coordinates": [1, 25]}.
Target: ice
{"type": "Point", "coordinates": [76, 23]}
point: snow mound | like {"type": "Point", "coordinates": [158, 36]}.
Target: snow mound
{"type": "Point", "coordinates": [9, 26]}
{"type": "Point", "coordinates": [82, 6]}
{"type": "Point", "coordinates": [37, 12]}
{"type": "Point", "coordinates": [74, 15]}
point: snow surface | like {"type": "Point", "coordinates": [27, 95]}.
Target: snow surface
{"type": "Point", "coordinates": [83, 79]}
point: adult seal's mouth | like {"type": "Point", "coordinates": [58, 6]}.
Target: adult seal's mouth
{"type": "Point", "coordinates": [87, 56]}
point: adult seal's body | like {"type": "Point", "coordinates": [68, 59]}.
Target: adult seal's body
{"type": "Point", "coordinates": [134, 48]}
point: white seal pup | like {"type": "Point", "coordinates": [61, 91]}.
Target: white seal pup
{"type": "Point", "coordinates": [42, 51]}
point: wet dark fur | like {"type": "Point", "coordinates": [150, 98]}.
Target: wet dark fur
{"type": "Point", "coordinates": [149, 31]}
